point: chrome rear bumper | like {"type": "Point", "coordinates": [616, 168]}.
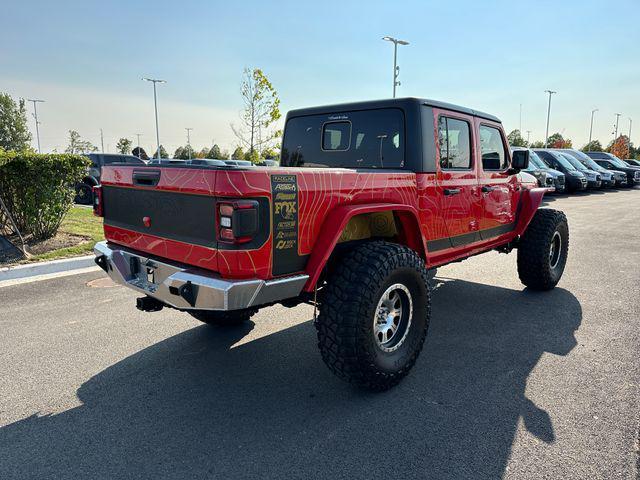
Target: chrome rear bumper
{"type": "Point", "coordinates": [190, 288]}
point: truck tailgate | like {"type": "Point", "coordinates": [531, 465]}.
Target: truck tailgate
{"type": "Point", "coordinates": [167, 212]}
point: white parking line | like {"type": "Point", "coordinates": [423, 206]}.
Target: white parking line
{"type": "Point", "coordinates": [47, 276]}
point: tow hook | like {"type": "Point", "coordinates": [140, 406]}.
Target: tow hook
{"type": "Point", "coordinates": [149, 304]}
{"type": "Point", "coordinates": [101, 261]}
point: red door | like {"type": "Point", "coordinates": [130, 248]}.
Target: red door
{"type": "Point", "coordinates": [456, 179]}
{"type": "Point", "coordinates": [499, 188]}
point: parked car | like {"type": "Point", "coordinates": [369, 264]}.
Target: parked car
{"type": "Point", "coordinates": [609, 161]}
{"type": "Point", "coordinates": [540, 175]}
{"type": "Point", "coordinates": [268, 163]}
{"type": "Point", "coordinates": [608, 176]}
{"type": "Point", "coordinates": [365, 202]}
{"type": "Point", "coordinates": [594, 180]}
{"type": "Point", "coordinates": [575, 179]}
{"type": "Point", "coordinates": [84, 189]}
{"type": "Point", "coordinates": [527, 180]}
{"type": "Point", "coordinates": [559, 180]}
{"type": "Point", "coordinates": [238, 163]}
{"type": "Point", "coordinates": [632, 162]}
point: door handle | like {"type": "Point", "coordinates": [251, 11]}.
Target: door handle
{"type": "Point", "coordinates": [146, 178]}
{"type": "Point", "coordinates": [487, 189]}
{"type": "Point", "coordinates": [451, 191]}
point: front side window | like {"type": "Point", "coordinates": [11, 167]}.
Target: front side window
{"type": "Point", "coordinates": [336, 136]}
{"type": "Point", "coordinates": [454, 140]}
{"type": "Point", "coordinates": [494, 156]}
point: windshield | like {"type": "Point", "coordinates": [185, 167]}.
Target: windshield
{"type": "Point", "coordinates": [617, 162]}
{"type": "Point", "coordinates": [562, 160]}
{"type": "Point", "coordinates": [536, 161]}
{"type": "Point", "coordinates": [575, 162]}
{"type": "Point", "coordinates": [586, 160]}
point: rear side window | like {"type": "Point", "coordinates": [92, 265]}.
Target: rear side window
{"type": "Point", "coordinates": [494, 156]}
{"type": "Point", "coordinates": [336, 136]}
{"type": "Point", "coordinates": [361, 139]}
{"type": "Point", "coordinates": [455, 144]}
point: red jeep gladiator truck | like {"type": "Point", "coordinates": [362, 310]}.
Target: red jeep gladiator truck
{"type": "Point", "coordinates": [369, 198]}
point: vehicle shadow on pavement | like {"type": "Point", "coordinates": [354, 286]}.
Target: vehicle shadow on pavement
{"type": "Point", "coordinates": [198, 405]}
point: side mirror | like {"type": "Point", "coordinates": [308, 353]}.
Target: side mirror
{"type": "Point", "coordinates": [519, 160]}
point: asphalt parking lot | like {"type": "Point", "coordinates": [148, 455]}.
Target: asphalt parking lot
{"type": "Point", "coordinates": [511, 383]}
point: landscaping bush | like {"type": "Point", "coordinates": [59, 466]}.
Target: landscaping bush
{"type": "Point", "coordinates": [38, 189]}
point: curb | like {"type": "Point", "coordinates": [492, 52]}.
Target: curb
{"type": "Point", "coordinates": [45, 268]}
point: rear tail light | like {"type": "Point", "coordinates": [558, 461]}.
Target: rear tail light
{"type": "Point", "coordinates": [97, 201]}
{"type": "Point", "coordinates": [237, 221]}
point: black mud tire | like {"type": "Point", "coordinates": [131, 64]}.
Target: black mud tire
{"type": "Point", "coordinates": [84, 194]}
{"type": "Point", "coordinates": [348, 307]}
{"type": "Point", "coordinates": [223, 319]}
{"type": "Point", "coordinates": [540, 267]}
{"type": "Point", "coordinates": [431, 275]}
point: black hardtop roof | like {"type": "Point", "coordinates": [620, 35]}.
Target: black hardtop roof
{"type": "Point", "coordinates": [388, 103]}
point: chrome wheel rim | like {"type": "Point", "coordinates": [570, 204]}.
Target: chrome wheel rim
{"type": "Point", "coordinates": [392, 318]}
{"type": "Point", "coordinates": [555, 250]}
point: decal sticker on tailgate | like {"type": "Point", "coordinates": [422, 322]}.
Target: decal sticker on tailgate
{"type": "Point", "coordinates": [284, 190]}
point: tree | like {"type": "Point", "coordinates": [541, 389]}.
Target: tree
{"type": "Point", "coordinates": [270, 154]}
{"type": "Point", "coordinates": [537, 144]}
{"type": "Point", "coordinates": [184, 153]}
{"type": "Point", "coordinates": [619, 147]}
{"type": "Point", "coordinates": [224, 154]}
{"type": "Point", "coordinates": [558, 141]}
{"type": "Point", "coordinates": [252, 156]}
{"type": "Point", "coordinates": [594, 146]}
{"type": "Point", "coordinates": [238, 154]}
{"type": "Point", "coordinates": [515, 139]}
{"type": "Point", "coordinates": [202, 153]}
{"type": "Point", "coordinates": [124, 146]}
{"type": "Point", "coordinates": [77, 145]}
{"type": "Point", "coordinates": [214, 152]}
{"type": "Point", "coordinates": [14, 130]}
{"type": "Point", "coordinates": [163, 153]}
{"type": "Point", "coordinates": [261, 109]}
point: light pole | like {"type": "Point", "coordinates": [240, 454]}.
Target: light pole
{"type": "Point", "coordinates": [629, 136]}
{"type": "Point", "coordinates": [546, 137]}
{"type": "Point", "coordinates": [520, 128]}
{"type": "Point", "coordinates": [528, 135]}
{"type": "Point", "coordinates": [102, 140]}
{"type": "Point", "coordinates": [591, 127]}
{"type": "Point", "coordinates": [615, 134]}
{"type": "Point", "coordinates": [188, 129]}
{"type": "Point", "coordinates": [155, 104]}
{"type": "Point", "coordinates": [35, 115]}
{"type": "Point", "coordinates": [138, 135]}
{"type": "Point", "coordinates": [396, 68]}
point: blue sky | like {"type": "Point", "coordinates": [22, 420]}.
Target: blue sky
{"type": "Point", "coordinates": [86, 59]}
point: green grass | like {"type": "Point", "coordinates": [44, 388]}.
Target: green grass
{"type": "Point", "coordinates": [79, 221]}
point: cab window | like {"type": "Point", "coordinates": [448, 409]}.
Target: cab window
{"type": "Point", "coordinates": [356, 139]}
{"type": "Point", "coordinates": [454, 140]}
{"type": "Point", "coordinates": [494, 156]}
